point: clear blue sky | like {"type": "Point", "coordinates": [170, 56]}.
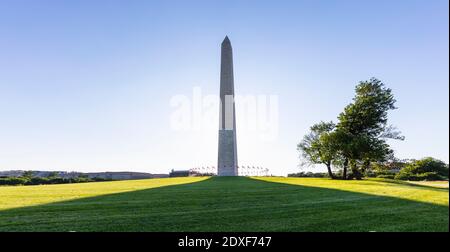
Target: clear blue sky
{"type": "Point", "coordinates": [86, 85]}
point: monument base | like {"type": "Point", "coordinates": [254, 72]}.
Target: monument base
{"type": "Point", "coordinates": [227, 162]}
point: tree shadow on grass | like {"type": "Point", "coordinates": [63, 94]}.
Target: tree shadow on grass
{"type": "Point", "coordinates": [230, 204]}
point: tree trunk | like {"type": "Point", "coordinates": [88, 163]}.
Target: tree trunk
{"type": "Point", "coordinates": [356, 174]}
{"type": "Point", "coordinates": [330, 173]}
{"type": "Point", "coordinates": [365, 167]}
{"type": "Point", "coordinates": [344, 174]}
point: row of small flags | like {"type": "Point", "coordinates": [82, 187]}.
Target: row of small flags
{"type": "Point", "coordinates": [244, 167]}
{"type": "Point", "coordinates": [242, 170]}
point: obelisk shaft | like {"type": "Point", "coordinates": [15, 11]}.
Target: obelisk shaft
{"type": "Point", "coordinates": [227, 159]}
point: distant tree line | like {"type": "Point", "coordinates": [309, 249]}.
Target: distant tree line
{"type": "Point", "coordinates": [309, 175]}
{"type": "Point", "coordinates": [415, 170]}
{"type": "Point", "coordinates": [356, 146]}
{"type": "Point", "coordinates": [28, 178]}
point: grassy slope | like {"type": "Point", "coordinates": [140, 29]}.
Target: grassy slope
{"type": "Point", "coordinates": [225, 204]}
{"type": "Point", "coordinates": [23, 196]}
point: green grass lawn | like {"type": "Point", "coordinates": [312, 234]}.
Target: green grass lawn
{"type": "Point", "coordinates": [226, 204]}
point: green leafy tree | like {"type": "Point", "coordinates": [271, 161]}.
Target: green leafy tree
{"type": "Point", "coordinates": [53, 175]}
{"type": "Point", "coordinates": [368, 113]}
{"type": "Point", "coordinates": [317, 147]}
{"type": "Point", "coordinates": [362, 129]}
{"type": "Point", "coordinates": [27, 174]}
{"type": "Point", "coordinates": [360, 136]}
{"type": "Point", "coordinates": [425, 169]}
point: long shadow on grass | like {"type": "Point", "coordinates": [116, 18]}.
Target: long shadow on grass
{"type": "Point", "coordinates": [230, 204]}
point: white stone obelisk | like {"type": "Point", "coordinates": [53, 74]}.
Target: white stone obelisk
{"type": "Point", "coordinates": [227, 164]}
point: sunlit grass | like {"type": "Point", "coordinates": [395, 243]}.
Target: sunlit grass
{"type": "Point", "coordinates": [438, 184]}
{"type": "Point", "coordinates": [381, 187]}
{"type": "Point", "coordinates": [225, 204]}
{"type": "Point", "coordinates": [22, 196]}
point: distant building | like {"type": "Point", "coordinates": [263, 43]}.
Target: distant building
{"type": "Point", "coordinates": [15, 173]}
{"type": "Point", "coordinates": [179, 173]}
{"type": "Point", "coordinates": [184, 173]}
{"type": "Point", "coordinates": [395, 170]}
{"type": "Point", "coordinates": [119, 175]}
{"type": "Point", "coordinates": [161, 175]}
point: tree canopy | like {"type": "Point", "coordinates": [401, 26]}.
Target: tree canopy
{"type": "Point", "coordinates": [359, 137]}
{"type": "Point", "coordinates": [425, 169]}
{"type": "Point", "coordinates": [316, 148]}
